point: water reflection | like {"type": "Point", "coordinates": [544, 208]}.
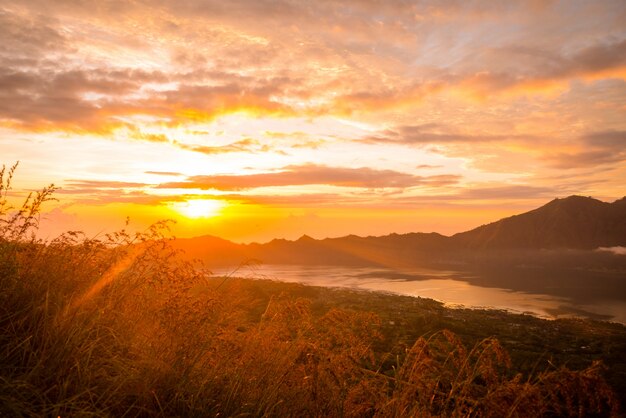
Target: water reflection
{"type": "Point", "coordinates": [453, 288]}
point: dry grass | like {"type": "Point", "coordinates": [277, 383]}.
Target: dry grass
{"type": "Point", "coordinates": [119, 326]}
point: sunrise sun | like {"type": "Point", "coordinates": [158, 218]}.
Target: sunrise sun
{"type": "Point", "coordinates": [198, 208]}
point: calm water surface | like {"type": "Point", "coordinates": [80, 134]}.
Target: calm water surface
{"type": "Point", "coordinates": [450, 287]}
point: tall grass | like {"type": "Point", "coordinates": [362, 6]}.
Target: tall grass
{"type": "Point", "coordinates": [120, 326]}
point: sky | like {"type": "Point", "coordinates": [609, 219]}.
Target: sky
{"type": "Point", "coordinates": [257, 119]}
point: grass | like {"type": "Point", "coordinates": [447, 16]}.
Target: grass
{"type": "Point", "coordinates": [120, 326]}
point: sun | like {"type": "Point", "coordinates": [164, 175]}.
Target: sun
{"type": "Point", "coordinates": [198, 208]}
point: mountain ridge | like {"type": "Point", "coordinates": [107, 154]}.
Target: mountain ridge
{"type": "Point", "coordinates": [571, 223]}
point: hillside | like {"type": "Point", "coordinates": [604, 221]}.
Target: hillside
{"type": "Point", "coordinates": [575, 223]}
{"type": "Point", "coordinates": [351, 250]}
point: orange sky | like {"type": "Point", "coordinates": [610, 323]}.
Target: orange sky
{"type": "Point", "coordinates": [252, 120]}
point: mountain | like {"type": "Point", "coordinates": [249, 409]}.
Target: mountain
{"type": "Point", "coordinates": [390, 250]}
{"type": "Point", "coordinates": [574, 222]}
{"type": "Point", "coordinates": [213, 250]}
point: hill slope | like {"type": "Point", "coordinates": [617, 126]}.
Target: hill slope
{"type": "Point", "coordinates": [574, 222]}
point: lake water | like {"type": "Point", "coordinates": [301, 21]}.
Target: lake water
{"type": "Point", "coordinates": [453, 288]}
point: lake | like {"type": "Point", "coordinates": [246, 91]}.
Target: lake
{"type": "Point", "coordinates": [453, 288]}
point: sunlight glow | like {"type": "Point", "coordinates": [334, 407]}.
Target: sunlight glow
{"type": "Point", "coordinates": [199, 208]}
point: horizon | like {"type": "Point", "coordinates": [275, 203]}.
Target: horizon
{"type": "Point", "coordinates": [254, 121]}
{"type": "Point", "coordinates": [322, 238]}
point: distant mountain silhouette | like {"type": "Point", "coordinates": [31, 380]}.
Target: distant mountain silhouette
{"type": "Point", "coordinates": [351, 250]}
{"type": "Point", "coordinates": [574, 222]}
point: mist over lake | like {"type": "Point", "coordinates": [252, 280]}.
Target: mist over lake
{"type": "Point", "coordinates": [463, 289]}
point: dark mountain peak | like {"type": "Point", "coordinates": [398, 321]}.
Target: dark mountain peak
{"type": "Point", "coordinates": [571, 222]}
{"type": "Point", "coordinates": [576, 198]}
{"type": "Point", "coordinates": [305, 238]}
{"type": "Point", "coordinates": [575, 205]}
{"type": "Point", "coordinates": [574, 201]}
{"type": "Point", "coordinates": [278, 241]}
{"type": "Point", "coordinates": [425, 234]}
{"type": "Point", "coordinates": [351, 238]}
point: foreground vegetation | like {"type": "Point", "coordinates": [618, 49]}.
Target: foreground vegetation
{"type": "Point", "coordinates": [120, 326]}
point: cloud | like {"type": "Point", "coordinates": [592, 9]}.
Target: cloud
{"type": "Point", "coordinates": [135, 197]}
{"type": "Point", "coordinates": [97, 189]}
{"type": "Point", "coordinates": [52, 79]}
{"type": "Point", "coordinates": [379, 200]}
{"type": "Point", "coordinates": [94, 192]}
{"type": "Point", "coordinates": [597, 148]}
{"type": "Point", "coordinates": [27, 36]}
{"type": "Point", "coordinates": [610, 140]}
{"type": "Point", "coordinates": [280, 58]}
{"type": "Point", "coordinates": [311, 174]}
{"type": "Point", "coordinates": [312, 144]}
{"type": "Point", "coordinates": [582, 159]}
{"type": "Point", "coordinates": [148, 136]}
{"type": "Point", "coordinates": [210, 99]}
{"type": "Point", "coordinates": [491, 192]}
{"type": "Point", "coordinates": [594, 59]}
{"type": "Point", "coordinates": [501, 90]}
{"type": "Point", "coordinates": [60, 99]}
{"type": "Point", "coordinates": [590, 150]}
{"type": "Point", "coordinates": [100, 100]}
{"type": "Point", "coordinates": [428, 134]}
{"type": "Point", "coordinates": [164, 173]}
{"type": "Point", "coordinates": [533, 70]}
{"type": "Point", "coordinates": [245, 145]}
{"type": "Point", "coordinates": [385, 98]}
{"type": "Point", "coordinates": [508, 192]}
{"type": "Point", "coordinates": [299, 200]}
{"type": "Point", "coordinates": [100, 184]}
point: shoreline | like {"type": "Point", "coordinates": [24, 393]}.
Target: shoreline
{"type": "Point", "coordinates": [454, 289]}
